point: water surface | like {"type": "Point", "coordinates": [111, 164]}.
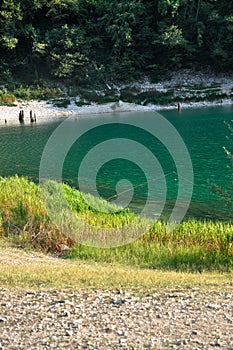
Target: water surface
{"type": "Point", "coordinates": [203, 130]}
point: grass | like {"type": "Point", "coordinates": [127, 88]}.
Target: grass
{"type": "Point", "coordinates": [23, 216]}
{"type": "Point", "coordinates": [193, 246]}
{"type": "Point", "coordinates": [30, 269]}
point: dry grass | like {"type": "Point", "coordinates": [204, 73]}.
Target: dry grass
{"type": "Point", "coordinates": [33, 270]}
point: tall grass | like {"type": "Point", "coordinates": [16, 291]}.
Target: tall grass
{"type": "Point", "coordinates": [23, 216]}
{"type": "Point", "coordinates": [192, 246]}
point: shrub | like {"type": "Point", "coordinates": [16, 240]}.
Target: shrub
{"type": "Point", "coordinates": [7, 99]}
{"type": "Point", "coordinates": [61, 103]}
{"type": "Point", "coordinates": [82, 103]}
{"type": "Point", "coordinates": [37, 93]}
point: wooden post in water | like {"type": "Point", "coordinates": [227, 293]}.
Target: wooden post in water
{"type": "Point", "coordinates": [21, 116]}
{"type": "Point", "coordinates": [31, 117]}
{"type": "Point", "coordinates": [179, 107]}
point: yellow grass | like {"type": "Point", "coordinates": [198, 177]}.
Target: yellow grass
{"type": "Point", "coordinates": [34, 270]}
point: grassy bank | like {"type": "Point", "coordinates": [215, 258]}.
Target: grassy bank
{"type": "Point", "coordinates": [194, 246]}
{"type": "Point", "coordinates": [33, 270]}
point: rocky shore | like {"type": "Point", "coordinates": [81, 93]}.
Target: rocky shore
{"type": "Point", "coordinates": [46, 111]}
{"type": "Point", "coordinates": [197, 90]}
{"type": "Point", "coordinates": [116, 319]}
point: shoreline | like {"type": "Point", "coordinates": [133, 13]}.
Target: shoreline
{"type": "Point", "coordinates": [210, 89]}
{"type": "Point", "coordinates": [47, 111]}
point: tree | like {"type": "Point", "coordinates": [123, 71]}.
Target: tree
{"type": "Point", "coordinates": [10, 14]}
{"type": "Point", "coordinates": [68, 52]}
{"type": "Point", "coordinates": [112, 39]}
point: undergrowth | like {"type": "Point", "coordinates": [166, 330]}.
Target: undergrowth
{"type": "Point", "coordinates": [60, 97]}
{"type": "Point", "coordinates": [9, 95]}
{"type": "Point", "coordinates": [7, 99]}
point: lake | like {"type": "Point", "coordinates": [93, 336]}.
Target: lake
{"type": "Point", "coordinates": [203, 131]}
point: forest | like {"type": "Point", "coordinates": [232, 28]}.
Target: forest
{"type": "Point", "coordinates": [82, 42]}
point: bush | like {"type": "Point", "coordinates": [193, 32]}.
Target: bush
{"type": "Point", "coordinates": [7, 99]}
{"type": "Point", "coordinates": [82, 103]}
{"type": "Point", "coordinates": [37, 93]}
{"type": "Point", "coordinates": [61, 103]}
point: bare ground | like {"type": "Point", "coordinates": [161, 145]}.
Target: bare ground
{"type": "Point", "coordinates": [41, 315]}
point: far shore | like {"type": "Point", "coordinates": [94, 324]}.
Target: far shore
{"type": "Point", "coordinates": [47, 111]}
{"type": "Point", "coordinates": [185, 84]}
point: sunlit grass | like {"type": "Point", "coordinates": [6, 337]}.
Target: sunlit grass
{"type": "Point", "coordinates": [21, 269]}
{"type": "Point", "coordinates": [193, 245]}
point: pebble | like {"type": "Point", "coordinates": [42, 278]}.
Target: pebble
{"type": "Point", "coordinates": [69, 332]}
{"type": "Point", "coordinates": [103, 320]}
{"type": "Point", "coordinates": [117, 302]}
{"type": "Point", "coordinates": [120, 333]}
{"type": "Point", "coordinates": [214, 306]}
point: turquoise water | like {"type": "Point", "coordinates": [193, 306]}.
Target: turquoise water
{"type": "Point", "coordinates": [203, 130]}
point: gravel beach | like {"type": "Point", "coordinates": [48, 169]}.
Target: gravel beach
{"type": "Point", "coordinates": [115, 319]}
{"type": "Point", "coordinates": [46, 111]}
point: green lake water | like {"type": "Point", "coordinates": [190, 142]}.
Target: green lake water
{"type": "Point", "coordinates": [203, 131]}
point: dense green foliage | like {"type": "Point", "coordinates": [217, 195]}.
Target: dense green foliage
{"type": "Point", "coordinates": [192, 246]}
{"type": "Point", "coordinates": [84, 41]}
